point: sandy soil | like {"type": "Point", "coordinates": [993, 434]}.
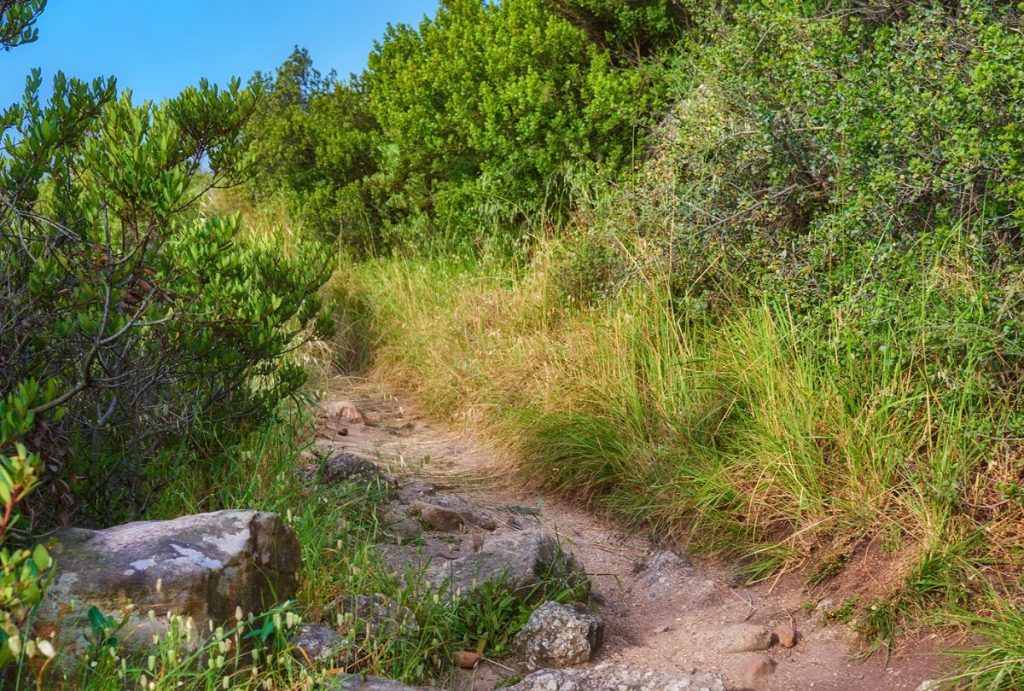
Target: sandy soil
{"type": "Point", "coordinates": [660, 611]}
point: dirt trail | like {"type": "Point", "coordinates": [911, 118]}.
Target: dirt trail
{"type": "Point", "coordinates": [660, 611]}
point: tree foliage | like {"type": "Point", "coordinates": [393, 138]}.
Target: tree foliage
{"type": "Point", "coordinates": [134, 325]}
{"type": "Point", "coordinates": [313, 137]}
{"type": "Point", "coordinates": [463, 127]}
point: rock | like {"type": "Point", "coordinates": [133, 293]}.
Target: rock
{"type": "Point", "coordinates": [558, 635]}
{"type": "Point", "coordinates": [203, 566]}
{"type": "Point", "coordinates": [373, 616]}
{"type": "Point", "coordinates": [417, 489]}
{"type": "Point", "coordinates": [755, 668]}
{"type": "Point", "coordinates": [664, 572]}
{"type": "Point", "coordinates": [318, 643]}
{"type": "Point", "coordinates": [607, 677]}
{"type": "Point", "coordinates": [342, 410]}
{"type": "Point", "coordinates": [470, 514]}
{"type": "Point", "coordinates": [355, 682]}
{"type": "Point", "coordinates": [786, 635]}
{"type": "Point", "coordinates": [438, 517]}
{"type": "Point", "coordinates": [427, 557]}
{"type": "Point", "coordinates": [346, 466]}
{"type": "Point", "coordinates": [400, 524]}
{"type": "Point", "coordinates": [520, 560]}
{"type": "Point", "coordinates": [742, 638]}
{"type": "Point", "coordinates": [467, 660]}
{"type": "Point", "coordinates": [929, 685]}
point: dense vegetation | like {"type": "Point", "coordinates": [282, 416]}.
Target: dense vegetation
{"type": "Point", "coordinates": [746, 272]}
{"type": "Point", "coordinates": [139, 333]}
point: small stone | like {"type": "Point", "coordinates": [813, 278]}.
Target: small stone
{"type": "Point", "coordinates": [786, 634]}
{"type": "Point", "coordinates": [755, 668]}
{"type": "Point", "coordinates": [400, 524]}
{"type": "Point", "coordinates": [438, 517]}
{"type": "Point", "coordinates": [467, 660]}
{"type": "Point", "coordinates": [346, 466]}
{"type": "Point", "coordinates": [742, 638]}
{"type": "Point", "coordinates": [558, 635]}
{"type": "Point", "coordinates": [317, 643]}
{"type": "Point", "coordinates": [663, 629]}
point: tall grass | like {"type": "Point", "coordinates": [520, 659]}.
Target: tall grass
{"type": "Point", "coordinates": [753, 434]}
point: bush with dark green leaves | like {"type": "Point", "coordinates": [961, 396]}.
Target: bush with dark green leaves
{"type": "Point", "coordinates": [464, 129]}
{"type": "Point", "coordinates": [135, 326]}
{"type": "Point", "coordinates": [312, 140]}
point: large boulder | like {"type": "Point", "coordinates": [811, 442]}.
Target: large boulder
{"type": "Point", "coordinates": [558, 635]}
{"type": "Point", "coordinates": [521, 561]}
{"type": "Point", "coordinates": [608, 677]}
{"type": "Point", "coordinates": [204, 567]}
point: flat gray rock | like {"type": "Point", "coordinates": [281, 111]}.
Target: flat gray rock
{"type": "Point", "coordinates": [203, 566]}
{"type": "Point", "coordinates": [521, 561]}
{"type": "Point", "coordinates": [608, 677]}
{"type": "Point", "coordinates": [355, 682]}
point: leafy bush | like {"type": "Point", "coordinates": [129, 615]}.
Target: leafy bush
{"type": "Point", "coordinates": [464, 128]}
{"type": "Point", "coordinates": [152, 319]}
{"type": "Point", "coordinates": [134, 326]}
{"type": "Point", "coordinates": [312, 136]}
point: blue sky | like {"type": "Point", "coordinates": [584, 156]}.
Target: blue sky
{"type": "Point", "coordinates": [158, 47]}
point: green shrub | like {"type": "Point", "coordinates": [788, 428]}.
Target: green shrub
{"type": "Point", "coordinates": [134, 327]}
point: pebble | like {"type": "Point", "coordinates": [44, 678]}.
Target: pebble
{"type": "Point", "coordinates": [467, 660]}
{"type": "Point", "coordinates": [786, 634]}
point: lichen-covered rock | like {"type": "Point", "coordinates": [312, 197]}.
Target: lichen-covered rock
{"type": "Point", "coordinates": [373, 616]}
{"type": "Point", "coordinates": [607, 677]}
{"type": "Point", "coordinates": [344, 467]}
{"type": "Point", "coordinates": [203, 566]}
{"type": "Point", "coordinates": [318, 644]}
{"type": "Point", "coordinates": [558, 635]}
{"type": "Point", "coordinates": [356, 682]}
{"type": "Point", "coordinates": [520, 561]}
